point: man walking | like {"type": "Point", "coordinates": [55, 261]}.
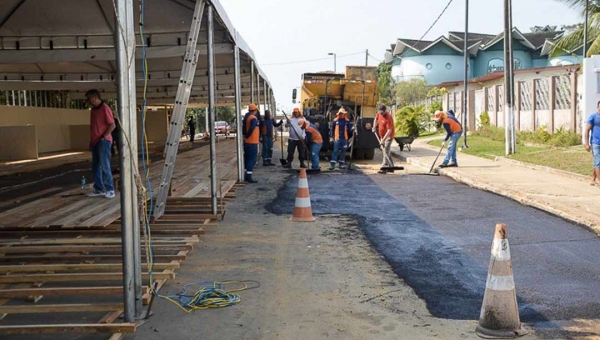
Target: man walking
{"type": "Point", "coordinates": [453, 133]}
{"type": "Point", "coordinates": [266, 135]}
{"type": "Point", "coordinates": [295, 139]}
{"type": "Point", "coordinates": [192, 128]}
{"type": "Point", "coordinates": [339, 132]}
{"type": "Point", "coordinates": [102, 123]}
{"type": "Point", "coordinates": [592, 143]}
{"type": "Point", "coordinates": [384, 125]}
{"type": "Point", "coordinates": [251, 139]}
{"type": "Point", "coordinates": [314, 141]}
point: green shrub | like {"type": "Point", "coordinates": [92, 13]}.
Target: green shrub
{"type": "Point", "coordinates": [412, 120]}
{"type": "Point", "coordinates": [484, 119]}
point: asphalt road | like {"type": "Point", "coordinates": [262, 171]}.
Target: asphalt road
{"type": "Point", "coordinates": [436, 235]}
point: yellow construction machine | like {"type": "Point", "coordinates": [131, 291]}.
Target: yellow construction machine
{"type": "Point", "coordinates": [324, 93]}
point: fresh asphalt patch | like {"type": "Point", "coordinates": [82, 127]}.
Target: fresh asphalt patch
{"type": "Point", "coordinates": [436, 235]}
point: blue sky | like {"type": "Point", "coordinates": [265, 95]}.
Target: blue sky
{"type": "Point", "coordinates": [284, 30]}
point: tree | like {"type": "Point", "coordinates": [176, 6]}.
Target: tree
{"type": "Point", "coordinates": [408, 92]}
{"type": "Point", "coordinates": [385, 83]}
{"type": "Point", "coordinates": [437, 92]}
{"type": "Point", "coordinates": [574, 36]}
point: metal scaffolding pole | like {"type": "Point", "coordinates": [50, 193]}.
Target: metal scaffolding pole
{"type": "Point", "coordinates": [512, 121]}
{"type": "Point", "coordinates": [266, 96]}
{"type": "Point", "coordinates": [258, 91]}
{"type": "Point", "coordinates": [238, 113]}
{"type": "Point", "coordinates": [252, 80]}
{"type": "Point", "coordinates": [211, 111]}
{"type": "Point", "coordinates": [125, 49]}
{"type": "Point", "coordinates": [465, 101]}
{"type": "Point", "coordinates": [508, 90]}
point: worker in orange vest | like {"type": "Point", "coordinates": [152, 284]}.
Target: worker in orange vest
{"type": "Point", "coordinates": [340, 131]}
{"type": "Point", "coordinates": [251, 139]}
{"type": "Point", "coordinates": [314, 141]}
{"type": "Point", "coordinates": [453, 133]}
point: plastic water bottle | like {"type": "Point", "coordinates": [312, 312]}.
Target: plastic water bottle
{"type": "Point", "coordinates": [82, 182]}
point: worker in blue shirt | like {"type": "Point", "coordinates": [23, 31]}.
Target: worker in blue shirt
{"type": "Point", "coordinates": [340, 131]}
{"type": "Point", "coordinates": [266, 137]}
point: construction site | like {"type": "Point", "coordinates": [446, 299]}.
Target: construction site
{"type": "Point", "coordinates": [194, 244]}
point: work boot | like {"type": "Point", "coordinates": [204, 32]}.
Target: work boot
{"type": "Point", "coordinates": [302, 165]}
{"type": "Point", "coordinates": [271, 164]}
{"type": "Point", "coordinates": [443, 165]}
{"type": "Point", "coordinates": [249, 179]}
{"type": "Point", "coordinates": [332, 166]}
{"type": "Point", "coordinates": [453, 165]}
{"type": "Point", "coordinates": [288, 165]}
{"type": "Point", "coordinates": [382, 172]}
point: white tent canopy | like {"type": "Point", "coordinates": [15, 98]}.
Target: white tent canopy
{"type": "Point", "coordinates": [69, 45]}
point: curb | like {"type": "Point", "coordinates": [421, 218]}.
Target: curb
{"type": "Point", "coordinates": [543, 168]}
{"type": "Point", "coordinates": [514, 195]}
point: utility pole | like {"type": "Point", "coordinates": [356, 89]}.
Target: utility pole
{"type": "Point", "coordinates": [513, 125]}
{"type": "Point", "coordinates": [367, 58]}
{"type": "Point", "coordinates": [466, 79]}
{"type": "Point", "coordinates": [334, 62]}
{"type": "Point", "coordinates": [508, 90]}
{"type": "Point", "coordinates": [585, 28]}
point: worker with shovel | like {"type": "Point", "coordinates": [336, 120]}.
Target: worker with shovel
{"type": "Point", "coordinates": [314, 142]}
{"type": "Point", "coordinates": [453, 133]}
{"type": "Point", "coordinates": [295, 139]}
{"type": "Point", "coordinates": [384, 129]}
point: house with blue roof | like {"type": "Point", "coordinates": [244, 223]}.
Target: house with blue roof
{"type": "Point", "coordinates": [442, 60]}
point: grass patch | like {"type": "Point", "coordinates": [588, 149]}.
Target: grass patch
{"type": "Point", "coordinates": [574, 159]}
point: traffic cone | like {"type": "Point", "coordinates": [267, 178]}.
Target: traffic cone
{"type": "Point", "coordinates": [302, 209]}
{"type": "Point", "coordinates": [499, 317]}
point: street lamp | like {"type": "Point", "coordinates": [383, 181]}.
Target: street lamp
{"type": "Point", "coordinates": [334, 62]}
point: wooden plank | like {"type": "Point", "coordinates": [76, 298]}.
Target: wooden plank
{"type": "Point", "coordinates": [69, 328]}
{"type": "Point", "coordinates": [30, 196]}
{"type": "Point", "coordinates": [59, 291]}
{"type": "Point", "coordinates": [110, 317]}
{"type": "Point", "coordinates": [97, 240]}
{"type": "Point", "coordinates": [76, 277]}
{"type": "Point", "coordinates": [60, 308]}
{"type": "Point", "coordinates": [31, 268]}
{"type": "Point", "coordinates": [81, 258]}
{"type": "Point", "coordinates": [80, 249]}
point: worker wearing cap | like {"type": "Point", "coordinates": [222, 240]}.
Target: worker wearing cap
{"type": "Point", "coordinates": [340, 132]}
{"type": "Point", "coordinates": [314, 141]}
{"type": "Point", "coordinates": [453, 133]}
{"type": "Point", "coordinates": [266, 137]}
{"type": "Point", "coordinates": [295, 140]}
{"type": "Point", "coordinates": [251, 140]}
{"type": "Point", "coordinates": [384, 127]}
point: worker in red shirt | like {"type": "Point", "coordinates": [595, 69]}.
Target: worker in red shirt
{"type": "Point", "coordinates": [453, 133]}
{"type": "Point", "coordinates": [102, 123]}
{"type": "Point", "coordinates": [384, 127]}
{"type": "Point", "coordinates": [251, 130]}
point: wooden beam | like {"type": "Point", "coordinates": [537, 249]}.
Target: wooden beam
{"type": "Point", "coordinates": [81, 258]}
{"type": "Point", "coordinates": [30, 268]}
{"type": "Point", "coordinates": [76, 277]}
{"type": "Point", "coordinates": [69, 328]}
{"type": "Point", "coordinates": [60, 308]}
{"type": "Point", "coordinates": [80, 249]}
{"type": "Point", "coordinates": [60, 291]}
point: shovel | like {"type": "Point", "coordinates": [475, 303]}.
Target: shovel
{"type": "Point", "coordinates": [386, 168]}
{"type": "Point", "coordinates": [282, 160]}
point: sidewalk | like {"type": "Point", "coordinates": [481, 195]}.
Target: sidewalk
{"type": "Point", "coordinates": [560, 195]}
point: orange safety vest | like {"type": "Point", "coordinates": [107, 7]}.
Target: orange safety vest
{"type": "Point", "coordinates": [254, 137]}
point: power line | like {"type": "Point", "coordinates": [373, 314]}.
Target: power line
{"type": "Point", "coordinates": [310, 60]}
{"type": "Point", "coordinates": [435, 22]}
{"type": "Point", "coordinates": [376, 59]}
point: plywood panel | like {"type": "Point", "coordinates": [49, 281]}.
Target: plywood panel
{"type": "Point", "coordinates": [18, 143]}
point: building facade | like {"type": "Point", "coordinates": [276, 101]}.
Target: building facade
{"type": "Point", "coordinates": [442, 60]}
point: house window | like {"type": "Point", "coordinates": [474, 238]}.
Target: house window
{"type": "Point", "coordinates": [448, 66]}
{"type": "Point", "coordinates": [495, 65]}
{"type": "Point", "coordinates": [429, 66]}
{"type": "Point", "coordinates": [517, 64]}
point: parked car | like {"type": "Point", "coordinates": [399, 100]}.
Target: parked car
{"type": "Point", "coordinates": [233, 126]}
{"type": "Point", "coordinates": [222, 128]}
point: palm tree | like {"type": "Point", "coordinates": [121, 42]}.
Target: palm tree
{"type": "Point", "coordinates": [574, 39]}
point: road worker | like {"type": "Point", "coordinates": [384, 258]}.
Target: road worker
{"type": "Point", "coordinates": [294, 141]}
{"type": "Point", "coordinates": [267, 125]}
{"type": "Point", "coordinates": [314, 141]}
{"type": "Point", "coordinates": [453, 133]}
{"type": "Point", "coordinates": [340, 132]}
{"type": "Point", "coordinates": [251, 132]}
{"type": "Point", "coordinates": [384, 127]}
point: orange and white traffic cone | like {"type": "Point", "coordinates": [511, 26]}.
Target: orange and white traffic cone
{"type": "Point", "coordinates": [499, 317]}
{"type": "Point", "coordinates": [302, 208]}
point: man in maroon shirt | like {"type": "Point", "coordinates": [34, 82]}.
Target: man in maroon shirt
{"type": "Point", "coordinates": [102, 123]}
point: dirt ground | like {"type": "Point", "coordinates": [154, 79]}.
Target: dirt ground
{"type": "Point", "coordinates": [318, 280]}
